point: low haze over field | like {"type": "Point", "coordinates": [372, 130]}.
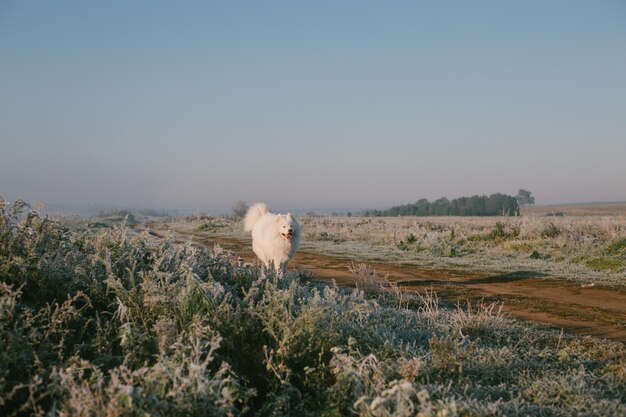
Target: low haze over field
{"type": "Point", "coordinates": [318, 104]}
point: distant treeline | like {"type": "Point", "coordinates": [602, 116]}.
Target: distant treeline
{"type": "Point", "coordinates": [478, 205]}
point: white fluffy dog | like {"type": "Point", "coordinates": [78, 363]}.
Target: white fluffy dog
{"type": "Point", "coordinates": [275, 237]}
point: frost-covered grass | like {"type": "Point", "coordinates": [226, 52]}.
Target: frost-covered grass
{"type": "Point", "coordinates": [108, 322]}
{"type": "Point", "coordinates": [581, 249]}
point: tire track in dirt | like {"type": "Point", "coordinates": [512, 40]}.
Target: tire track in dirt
{"type": "Point", "coordinates": [555, 302]}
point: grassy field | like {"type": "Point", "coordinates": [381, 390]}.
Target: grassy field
{"type": "Point", "coordinates": [580, 249]}
{"type": "Point", "coordinates": [594, 209]}
{"type": "Point", "coordinates": [589, 249]}
{"type": "Point", "coordinates": [103, 320]}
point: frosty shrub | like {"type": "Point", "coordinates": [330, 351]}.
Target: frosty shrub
{"type": "Point", "coordinates": [109, 322]}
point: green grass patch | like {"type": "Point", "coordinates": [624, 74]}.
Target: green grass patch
{"type": "Point", "coordinates": [212, 225]}
{"type": "Point", "coordinates": [407, 243]}
{"type": "Point", "coordinates": [550, 231]}
{"type": "Point", "coordinates": [604, 264]}
{"type": "Point", "coordinates": [618, 247]}
{"type": "Point", "coordinates": [498, 233]}
{"type": "Point", "coordinates": [535, 255]}
{"type": "Point", "coordinates": [327, 237]}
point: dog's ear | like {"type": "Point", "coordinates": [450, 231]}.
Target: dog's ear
{"type": "Point", "coordinates": [277, 219]}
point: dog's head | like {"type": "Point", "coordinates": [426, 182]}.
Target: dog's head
{"type": "Point", "coordinates": [287, 226]}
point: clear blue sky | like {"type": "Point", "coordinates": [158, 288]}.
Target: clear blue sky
{"type": "Point", "coordinates": [311, 104]}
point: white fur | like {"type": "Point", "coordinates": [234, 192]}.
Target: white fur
{"type": "Point", "coordinates": [269, 241]}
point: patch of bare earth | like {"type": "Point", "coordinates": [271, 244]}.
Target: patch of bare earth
{"type": "Point", "coordinates": [589, 311]}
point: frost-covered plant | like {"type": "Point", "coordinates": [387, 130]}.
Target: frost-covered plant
{"type": "Point", "coordinates": [113, 322]}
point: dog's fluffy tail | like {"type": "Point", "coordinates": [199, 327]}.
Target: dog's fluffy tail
{"type": "Point", "coordinates": [253, 215]}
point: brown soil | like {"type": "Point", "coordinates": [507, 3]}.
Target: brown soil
{"type": "Point", "coordinates": [552, 301]}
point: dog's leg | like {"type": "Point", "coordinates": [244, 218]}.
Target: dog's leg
{"type": "Point", "coordinates": [276, 268]}
{"type": "Point", "coordinates": [281, 269]}
{"type": "Point", "coordinates": [265, 267]}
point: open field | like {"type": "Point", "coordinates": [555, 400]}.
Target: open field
{"type": "Point", "coordinates": [604, 209]}
{"type": "Point", "coordinates": [585, 250]}
{"type": "Point", "coordinates": [107, 320]}
{"type": "Point", "coordinates": [565, 294]}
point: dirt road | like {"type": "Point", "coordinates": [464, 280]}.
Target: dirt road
{"type": "Point", "coordinates": [556, 302]}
